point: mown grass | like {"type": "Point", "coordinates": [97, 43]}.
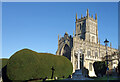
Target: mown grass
{"type": "Point", "coordinates": [107, 78]}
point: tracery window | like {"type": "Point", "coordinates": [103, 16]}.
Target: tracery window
{"type": "Point", "coordinates": [92, 52]}
{"type": "Point", "coordinates": [93, 38]}
{"type": "Point", "coordinates": [88, 53]}
{"type": "Point", "coordinates": [81, 51]}
{"type": "Point", "coordinates": [96, 54]}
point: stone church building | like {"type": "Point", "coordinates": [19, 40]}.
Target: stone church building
{"type": "Point", "coordinates": [83, 49]}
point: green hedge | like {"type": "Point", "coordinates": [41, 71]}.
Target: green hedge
{"type": "Point", "coordinates": [3, 65]}
{"type": "Point", "coordinates": [119, 67]}
{"type": "Point", "coordinates": [100, 67]}
{"type": "Point", "coordinates": [27, 64]}
{"type": "Point", "coordinates": [3, 62]}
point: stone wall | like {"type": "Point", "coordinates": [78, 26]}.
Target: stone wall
{"type": "Point", "coordinates": [97, 52]}
{"type": "Point", "coordinates": [85, 41]}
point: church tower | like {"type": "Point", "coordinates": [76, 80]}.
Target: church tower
{"type": "Point", "coordinates": [86, 28]}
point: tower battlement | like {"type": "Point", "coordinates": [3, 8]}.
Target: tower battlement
{"type": "Point", "coordinates": [87, 17]}
{"type": "Point", "coordinates": [86, 28]}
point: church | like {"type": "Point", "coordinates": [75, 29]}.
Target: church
{"type": "Point", "coordinates": [83, 48]}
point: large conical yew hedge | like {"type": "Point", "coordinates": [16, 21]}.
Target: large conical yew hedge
{"type": "Point", "coordinates": [27, 64]}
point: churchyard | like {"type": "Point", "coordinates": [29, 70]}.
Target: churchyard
{"type": "Point", "coordinates": [28, 65]}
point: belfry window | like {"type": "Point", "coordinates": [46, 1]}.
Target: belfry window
{"type": "Point", "coordinates": [80, 26]}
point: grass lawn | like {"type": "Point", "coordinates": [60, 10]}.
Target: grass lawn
{"type": "Point", "coordinates": [48, 80]}
{"type": "Point", "coordinates": [105, 78]}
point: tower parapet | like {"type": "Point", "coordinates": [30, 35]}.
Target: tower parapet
{"type": "Point", "coordinates": [86, 28]}
{"type": "Point", "coordinates": [86, 17]}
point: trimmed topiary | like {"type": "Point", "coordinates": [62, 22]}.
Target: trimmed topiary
{"type": "Point", "coordinates": [63, 66]}
{"type": "Point", "coordinates": [21, 65]}
{"type": "Point", "coordinates": [3, 62]}
{"type": "Point", "coordinates": [3, 67]}
{"type": "Point", "coordinates": [27, 64]}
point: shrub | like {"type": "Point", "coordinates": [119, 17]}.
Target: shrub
{"type": "Point", "coordinates": [85, 72]}
{"type": "Point", "coordinates": [27, 64]}
{"type": "Point", "coordinates": [3, 62]}
{"type": "Point", "coordinates": [119, 68]}
{"type": "Point", "coordinates": [100, 67]}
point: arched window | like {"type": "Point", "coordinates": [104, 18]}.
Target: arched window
{"type": "Point", "coordinates": [81, 50]}
{"type": "Point", "coordinates": [96, 54]}
{"type": "Point", "coordinates": [92, 52]}
{"type": "Point", "coordinates": [67, 52]}
{"type": "Point", "coordinates": [88, 53]}
{"type": "Point", "coordinates": [93, 38]}
{"type": "Point", "coordinates": [80, 26]}
{"type": "Point", "coordinates": [102, 55]}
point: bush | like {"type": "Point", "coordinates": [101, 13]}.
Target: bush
{"type": "Point", "coordinates": [85, 72]}
{"type": "Point", "coordinates": [119, 68]}
{"type": "Point", "coordinates": [3, 62]}
{"type": "Point", "coordinates": [100, 67]}
{"type": "Point", "coordinates": [27, 64]}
